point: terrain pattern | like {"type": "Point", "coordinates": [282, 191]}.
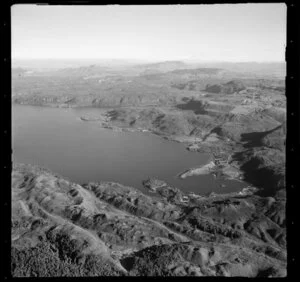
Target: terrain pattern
{"type": "Point", "coordinates": [60, 228]}
{"type": "Point", "coordinates": [234, 112]}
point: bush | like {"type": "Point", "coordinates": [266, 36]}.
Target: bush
{"type": "Point", "coordinates": [46, 260]}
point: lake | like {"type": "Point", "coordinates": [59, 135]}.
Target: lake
{"type": "Point", "coordinates": [57, 139]}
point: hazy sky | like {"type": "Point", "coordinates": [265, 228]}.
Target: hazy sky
{"type": "Point", "coordinates": [231, 32]}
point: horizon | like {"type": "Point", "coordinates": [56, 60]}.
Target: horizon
{"type": "Point", "coordinates": [137, 61]}
{"type": "Point", "coordinates": [235, 33]}
{"type": "Point", "coordinates": [143, 59]}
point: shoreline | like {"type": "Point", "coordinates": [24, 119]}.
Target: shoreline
{"type": "Point", "coordinates": [231, 172]}
{"type": "Point", "coordinates": [100, 121]}
{"type": "Point", "coordinates": [192, 144]}
{"type": "Point", "coordinates": [202, 170]}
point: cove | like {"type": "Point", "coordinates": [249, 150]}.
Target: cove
{"type": "Point", "coordinates": [57, 139]}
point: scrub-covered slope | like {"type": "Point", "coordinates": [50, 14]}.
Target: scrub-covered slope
{"type": "Point", "coordinates": [60, 228]}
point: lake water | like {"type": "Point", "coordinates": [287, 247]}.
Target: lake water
{"type": "Point", "coordinates": [57, 139]}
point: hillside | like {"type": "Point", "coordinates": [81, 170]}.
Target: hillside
{"type": "Point", "coordinates": [60, 228]}
{"type": "Point", "coordinates": [109, 85]}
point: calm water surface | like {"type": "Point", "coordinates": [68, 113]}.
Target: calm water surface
{"type": "Point", "coordinates": [83, 151]}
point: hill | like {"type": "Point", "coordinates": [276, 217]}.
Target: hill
{"type": "Point", "coordinates": [60, 228]}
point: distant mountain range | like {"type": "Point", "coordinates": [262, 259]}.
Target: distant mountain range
{"type": "Point", "coordinates": [90, 67]}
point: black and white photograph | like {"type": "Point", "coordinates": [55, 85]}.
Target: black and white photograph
{"type": "Point", "coordinates": [148, 140]}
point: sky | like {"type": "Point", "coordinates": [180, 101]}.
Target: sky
{"type": "Point", "coordinates": [220, 32]}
